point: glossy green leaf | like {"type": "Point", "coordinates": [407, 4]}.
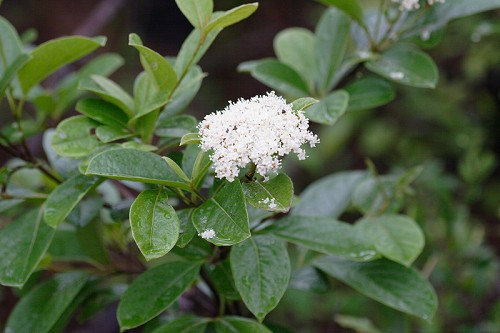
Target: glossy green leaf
{"type": "Point", "coordinates": [40, 309]}
{"type": "Point", "coordinates": [406, 66]}
{"type": "Point", "coordinates": [52, 55]}
{"type": "Point", "coordinates": [154, 291]}
{"type": "Point", "coordinates": [368, 93]}
{"type": "Point", "coordinates": [24, 242]}
{"type": "Point", "coordinates": [187, 229]}
{"type": "Point", "coordinates": [328, 196]}
{"type": "Point", "coordinates": [375, 195]}
{"type": "Point", "coordinates": [226, 214]}
{"type": "Point", "coordinates": [195, 164]}
{"type": "Point", "coordinates": [157, 67]}
{"type": "Point", "coordinates": [134, 165]}
{"type": "Point", "coordinates": [196, 250]}
{"type": "Point", "coordinates": [350, 7]}
{"type": "Point", "coordinates": [65, 197]}
{"type": "Point", "coordinates": [394, 285]}
{"type": "Point", "coordinates": [155, 226]}
{"type": "Point", "coordinates": [147, 98]}
{"type": "Point", "coordinates": [261, 271]}
{"type": "Point", "coordinates": [325, 235]}
{"type": "Point", "coordinates": [190, 139]}
{"type": "Point", "coordinates": [73, 139]}
{"type": "Point", "coordinates": [198, 12]}
{"type": "Point", "coordinates": [273, 195]}
{"type": "Point", "coordinates": [222, 277]}
{"type": "Point", "coordinates": [176, 126]}
{"type": "Point", "coordinates": [303, 103]}
{"type": "Point", "coordinates": [230, 324]}
{"type": "Point", "coordinates": [329, 109]}
{"type": "Point", "coordinates": [11, 72]}
{"type": "Point", "coordinates": [295, 47]}
{"type": "Point", "coordinates": [104, 112]}
{"type": "Point", "coordinates": [332, 35]}
{"type": "Point", "coordinates": [396, 237]}
{"type": "Point", "coordinates": [177, 169]}
{"type": "Point", "coordinates": [184, 324]}
{"type": "Point", "coordinates": [280, 77]}
{"type": "Point", "coordinates": [185, 92]}
{"type": "Point", "coordinates": [231, 16]}
{"type": "Point", "coordinates": [193, 48]}
{"type": "Point", "coordinates": [108, 134]}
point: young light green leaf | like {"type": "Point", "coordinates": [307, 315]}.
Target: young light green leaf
{"type": "Point", "coordinates": [42, 307]}
{"type": "Point", "coordinates": [332, 35]}
{"type": "Point", "coordinates": [154, 291]}
{"type": "Point", "coordinates": [108, 134]}
{"type": "Point", "coordinates": [10, 73]}
{"type": "Point", "coordinates": [261, 271]}
{"type": "Point", "coordinates": [65, 197]}
{"type": "Point", "coordinates": [24, 242]}
{"type": "Point", "coordinates": [198, 12]}
{"type": "Point", "coordinates": [72, 137]}
{"type": "Point", "coordinates": [134, 165]}
{"type": "Point", "coordinates": [225, 214]}
{"type": "Point", "coordinates": [350, 7]}
{"type": "Point", "coordinates": [231, 17]}
{"type": "Point", "coordinates": [155, 226]}
{"type": "Point", "coordinates": [193, 48]}
{"type": "Point", "coordinates": [325, 235]}
{"type": "Point", "coordinates": [328, 196]}
{"type": "Point", "coordinates": [184, 324]}
{"type": "Point", "coordinates": [303, 103]}
{"type": "Point", "coordinates": [177, 169]}
{"type": "Point", "coordinates": [158, 68]}
{"type": "Point", "coordinates": [406, 66]}
{"type": "Point", "coordinates": [396, 237]}
{"type": "Point", "coordinates": [190, 139]}
{"type": "Point", "coordinates": [272, 195]}
{"type": "Point", "coordinates": [368, 93]}
{"type": "Point", "coordinates": [329, 109]}
{"type": "Point", "coordinates": [295, 47]}
{"type": "Point", "coordinates": [394, 285]}
{"type": "Point", "coordinates": [52, 55]}
{"type": "Point", "coordinates": [230, 324]}
{"type": "Point", "coordinates": [104, 112]}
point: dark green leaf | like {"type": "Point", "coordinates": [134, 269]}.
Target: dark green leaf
{"type": "Point", "coordinates": [231, 324]}
{"type": "Point", "coordinates": [187, 229]}
{"type": "Point", "coordinates": [329, 109]}
{"type": "Point", "coordinates": [104, 112]}
{"type": "Point", "coordinates": [176, 126]}
{"type": "Point", "coordinates": [73, 139]}
{"type": "Point", "coordinates": [11, 72]}
{"type": "Point", "coordinates": [225, 214]}
{"type": "Point", "coordinates": [108, 134]}
{"type": "Point", "coordinates": [184, 324]}
{"type": "Point", "coordinates": [273, 195]}
{"type": "Point", "coordinates": [222, 278]}
{"type": "Point", "coordinates": [261, 271]}
{"type": "Point", "coordinates": [350, 7]}
{"type": "Point", "coordinates": [368, 93]}
{"type": "Point", "coordinates": [154, 291]}
{"type": "Point", "coordinates": [394, 285]}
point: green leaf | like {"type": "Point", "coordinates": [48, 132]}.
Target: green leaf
{"type": "Point", "coordinates": [350, 7]}
{"type": "Point", "coordinates": [329, 109]}
{"type": "Point", "coordinates": [185, 92]}
{"type": "Point", "coordinates": [198, 12]}
{"type": "Point", "coordinates": [328, 196]}
{"type": "Point", "coordinates": [226, 214]}
{"type": "Point", "coordinates": [134, 165]}
{"type": "Point", "coordinates": [158, 68]}
{"type": "Point", "coordinates": [273, 195]}
{"type": "Point", "coordinates": [406, 66]}
{"type": "Point", "coordinates": [396, 286]}
{"type": "Point", "coordinates": [52, 55]}
{"type": "Point", "coordinates": [193, 48]}
{"type": "Point", "coordinates": [104, 112]}
{"type": "Point", "coordinates": [378, 194]}
{"type": "Point", "coordinates": [184, 324]}
{"type": "Point", "coordinates": [24, 242]}
{"type": "Point", "coordinates": [222, 278]}
{"type": "Point", "coordinates": [40, 309]}
{"type": "Point", "coordinates": [280, 77]}
{"type": "Point", "coordinates": [11, 72]}
{"type": "Point", "coordinates": [154, 291]}
{"type": "Point", "coordinates": [303, 103]}
{"type": "Point", "coordinates": [176, 126]}
{"type": "Point", "coordinates": [261, 271]}
{"type": "Point", "coordinates": [177, 169]}
{"type": "Point", "coordinates": [368, 93]}
{"type": "Point", "coordinates": [396, 237]}
{"type": "Point", "coordinates": [190, 139]}
{"type": "Point", "coordinates": [108, 134]}
{"type": "Point", "coordinates": [230, 324]}
{"type": "Point", "coordinates": [195, 164]}
{"type": "Point", "coordinates": [325, 235]}
{"type": "Point", "coordinates": [155, 226]}
{"type": "Point", "coordinates": [65, 197]}
{"type": "Point", "coordinates": [10, 43]}
{"type": "Point", "coordinates": [332, 35]}
{"type": "Point", "coordinates": [73, 139]}
{"type": "Point", "coordinates": [295, 47]}
{"type": "Point", "coordinates": [147, 98]}
{"type": "Point", "coordinates": [187, 230]}
{"type": "Point", "coordinates": [231, 16]}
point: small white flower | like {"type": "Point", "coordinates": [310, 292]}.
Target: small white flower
{"type": "Point", "coordinates": [407, 4]}
{"type": "Point", "coordinates": [432, 2]}
{"type": "Point", "coordinates": [425, 35]}
{"type": "Point", "coordinates": [272, 204]}
{"type": "Point", "coordinates": [207, 234]}
{"type": "Point", "coordinates": [397, 75]}
{"type": "Point", "coordinates": [260, 130]}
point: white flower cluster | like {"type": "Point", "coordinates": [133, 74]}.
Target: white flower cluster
{"type": "Point", "coordinates": [207, 234]}
{"type": "Point", "coordinates": [414, 4]}
{"type": "Point", "coordinates": [259, 130]}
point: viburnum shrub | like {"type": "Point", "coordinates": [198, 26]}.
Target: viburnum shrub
{"type": "Point", "coordinates": [219, 232]}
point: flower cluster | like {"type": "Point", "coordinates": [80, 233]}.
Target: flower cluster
{"type": "Point", "coordinates": [414, 4]}
{"type": "Point", "coordinates": [259, 130]}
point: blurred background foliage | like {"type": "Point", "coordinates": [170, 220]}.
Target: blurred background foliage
{"type": "Point", "coordinates": [450, 132]}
